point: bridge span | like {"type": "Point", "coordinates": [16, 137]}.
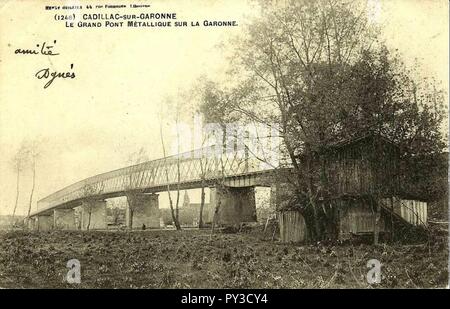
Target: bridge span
{"type": "Point", "coordinates": [232, 176]}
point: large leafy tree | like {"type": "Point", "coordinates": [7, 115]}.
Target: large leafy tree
{"type": "Point", "coordinates": [318, 69]}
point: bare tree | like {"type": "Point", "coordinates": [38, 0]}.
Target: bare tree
{"type": "Point", "coordinates": [203, 170]}
{"type": "Point", "coordinates": [173, 212]}
{"type": "Point", "coordinates": [19, 162]}
{"type": "Point", "coordinates": [217, 107]}
{"type": "Point", "coordinates": [34, 154]}
{"type": "Point", "coordinates": [177, 128]}
{"type": "Point", "coordinates": [90, 193]}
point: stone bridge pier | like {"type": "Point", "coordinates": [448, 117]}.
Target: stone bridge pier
{"type": "Point", "coordinates": [31, 223]}
{"type": "Point", "coordinates": [236, 204]}
{"type": "Point", "coordinates": [144, 210]}
{"type": "Point", "coordinates": [43, 222]}
{"type": "Point", "coordinates": [64, 219]}
{"type": "Point", "coordinates": [93, 215]}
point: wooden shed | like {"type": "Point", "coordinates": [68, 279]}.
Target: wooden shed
{"type": "Point", "coordinates": [366, 165]}
{"type": "Point", "coordinates": [362, 191]}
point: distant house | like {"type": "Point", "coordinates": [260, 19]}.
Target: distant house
{"type": "Point", "coordinates": [189, 215]}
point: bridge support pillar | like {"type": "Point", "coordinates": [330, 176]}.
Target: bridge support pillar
{"type": "Point", "coordinates": [64, 219]}
{"type": "Point", "coordinates": [93, 215]}
{"type": "Point", "coordinates": [143, 209]}
{"type": "Point", "coordinates": [236, 204]}
{"type": "Point", "coordinates": [30, 223]}
{"type": "Point", "coordinates": [44, 222]}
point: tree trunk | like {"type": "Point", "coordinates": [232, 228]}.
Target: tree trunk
{"type": "Point", "coordinates": [376, 227]}
{"type": "Point", "coordinates": [216, 211]}
{"type": "Point", "coordinates": [392, 219]}
{"type": "Point", "coordinates": [202, 205]}
{"type": "Point", "coordinates": [32, 188]}
{"type": "Point", "coordinates": [131, 215]}
{"type": "Point", "coordinates": [222, 167]}
{"type": "Point", "coordinates": [177, 211]}
{"type": "Point", "coordinates": [89, 219]}
{"type": "Point", "coordinates": [17, 193]}
{"type": "Point", "coordinates": [313, 205]}
{"type": "Point", "coordinates": [172, 211]}
{"type": "Point", "coordinates": [213, 225]}
{"type": "Point", "coordinates": [131, 202]}
{"type": "Point", "coordinates": [174, 217]}
{"type": "Point", "coordinates": [312, 196]}
{"type": "Point", "coordinates": [318, 234]}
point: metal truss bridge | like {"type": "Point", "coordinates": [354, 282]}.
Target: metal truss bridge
{"type": "Point", "coordinates": [189, 170]}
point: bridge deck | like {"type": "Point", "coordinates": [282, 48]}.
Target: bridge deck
{"type": "Point", "coordinates": [185, 171]}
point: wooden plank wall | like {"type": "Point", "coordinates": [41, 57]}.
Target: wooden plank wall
{"type": "Point", "coordinates": [292, 226]}
{"type": "Point", "coordinates": [349, 172]}
{"type": "Point", "coordinates": [356, 217]}
{"type": "Point", "coordinates": [365, 167]}
{"type": "Point", "coordinates": [413, 211]}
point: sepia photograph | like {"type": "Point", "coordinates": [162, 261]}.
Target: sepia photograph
{"type": "Point", "coordinates": [212, 144]}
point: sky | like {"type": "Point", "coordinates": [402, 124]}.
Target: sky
{"type": "Point", "coordinates": [92, 123]}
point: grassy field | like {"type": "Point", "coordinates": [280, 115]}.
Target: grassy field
{"type": "Point", "coordinates": [190, 259]}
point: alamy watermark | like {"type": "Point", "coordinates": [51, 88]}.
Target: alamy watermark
{"type": "Point", "coordinates": [374, 274]}
{"type": "Point", "coordinates": [74, 273]}
{"type": "Point", "coordinates": [260, 142]}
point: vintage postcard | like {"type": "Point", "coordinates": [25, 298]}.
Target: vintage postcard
{"type": "Point", "coordinates": [211, 144]}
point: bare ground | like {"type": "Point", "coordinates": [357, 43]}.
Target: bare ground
{"type": "Point", "coordinates": [189, 259]}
